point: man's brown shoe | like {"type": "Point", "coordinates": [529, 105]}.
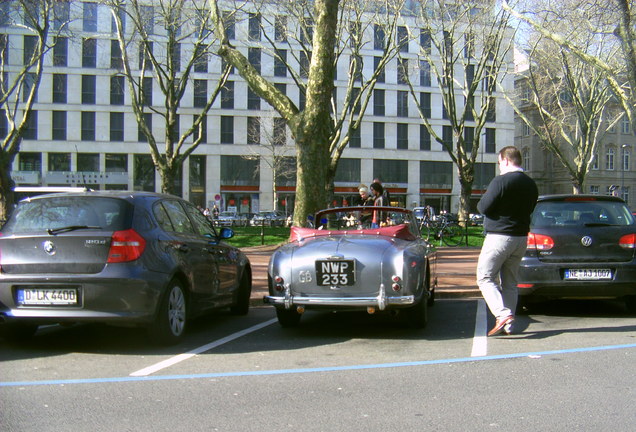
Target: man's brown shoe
{"type": "Point", "coordinates": [500, 324]}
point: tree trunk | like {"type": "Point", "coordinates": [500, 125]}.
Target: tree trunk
{"type": "Point", "coordinates": [464, 201]}
{"type": "Point", "coordinates": [7, 198]}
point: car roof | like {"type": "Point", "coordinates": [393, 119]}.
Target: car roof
{"type": "Point", "coordinates": [579, 197]}
{"type": "Point", "coordinates": [128, 195]}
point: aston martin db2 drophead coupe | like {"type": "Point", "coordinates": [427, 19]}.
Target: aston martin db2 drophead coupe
{"type": "Point", "coordinates": [342, 263]}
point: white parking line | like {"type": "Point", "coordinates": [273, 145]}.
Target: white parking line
{"type": "Point", "coordinates": [181, 357]}
{"type": "Point", "coordinates": [480, 340]}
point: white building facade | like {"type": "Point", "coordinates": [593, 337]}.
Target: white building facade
{"type": "Point", "coordinates": [83, 130]}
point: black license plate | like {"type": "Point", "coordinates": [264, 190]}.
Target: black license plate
{"type": "Point", "coordinates": [335, 272]}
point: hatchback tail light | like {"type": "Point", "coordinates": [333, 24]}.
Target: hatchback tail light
{"type": "Point", "coordinates": [628, 241]}
{"type": "Point", "coordinates": [540, 242]}
{"type": "Point", "coordinates": [126, 246]}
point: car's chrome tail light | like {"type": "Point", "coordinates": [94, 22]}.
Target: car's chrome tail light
{"type": "Point", "coordinates": [397, 283]}
{"type": "Point", "coordinates": [126, 246]}
{"type": "Point", "coordinates": [628, 241]}
{"type": "Point", "coordinates": [540, 242]}
{"type": "Point", "coordinates": [279, 283]}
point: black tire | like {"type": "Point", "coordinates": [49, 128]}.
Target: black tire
{"type": "Point", "coordinates": [453, 235]}
{"type": "Point", "coordinates": [170, 323]}
{"type": "Point", "coordinates": [417, 315]}
{"type": "Point", "coordinates": [241, 304]}
{"type": "Point", "coordinates": [288, 317]}
{"type": "Point", "coordinates": [18, 332]}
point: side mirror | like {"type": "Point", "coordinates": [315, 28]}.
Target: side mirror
{"type": "Point", "coordinates": [226, 233]}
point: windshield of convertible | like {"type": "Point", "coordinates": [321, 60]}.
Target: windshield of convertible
{"type": "Point", "coordinates": [361, 218]}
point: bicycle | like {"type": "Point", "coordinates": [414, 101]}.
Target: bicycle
{"type": "Point", "coordinates": [442, 228]}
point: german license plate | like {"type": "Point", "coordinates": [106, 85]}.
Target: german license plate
{"type": "Point", "coordinates": [335, 272]}
{"type": "Point", "coordinates": [588, 274]}
{"type": "Point", "coordinates": [47, 296]}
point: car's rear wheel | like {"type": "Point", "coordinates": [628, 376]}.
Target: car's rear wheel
{"type": "Point", "coordinates": [242, 304]}
{"type": "Point", "coordinates": [17, 332]}
{"type": "Point", "coordinates": [288, 317]}
{"type": "Point", "coordinates": [417, 315]}
{"type": "Point", "coordinates": [170, 324]}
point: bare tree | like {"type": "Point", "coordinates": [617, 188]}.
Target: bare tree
{"type": "Point", "coordinates": [321, 128]}
{"type": "Point", "coordinates": [566, 101]}
{"type": "Point", "coordinates": [19, 85]}
{"type": "Point", "coordinates": [155, 34]}
{"type": "Point", "coordinates": [467, 49]}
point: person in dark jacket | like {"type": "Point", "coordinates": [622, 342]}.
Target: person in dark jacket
{"type": "Point", "coordinates": [506, 205]}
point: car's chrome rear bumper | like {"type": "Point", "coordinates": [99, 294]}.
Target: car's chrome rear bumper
{"type": "Point", "coordinates": [381, 301]}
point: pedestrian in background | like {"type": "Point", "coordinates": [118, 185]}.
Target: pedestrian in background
{"type": "Point", "coordinates": [506, 205]}
{"type": "Point", "coordinates": [378, 201]}
{"type": "Point", "coordinates": [365, 200]}
{"type": "Point", "coordinates": [385, 192]}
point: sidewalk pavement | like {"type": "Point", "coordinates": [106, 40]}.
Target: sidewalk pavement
{"type": "Point", "coordinates": [455, 272]}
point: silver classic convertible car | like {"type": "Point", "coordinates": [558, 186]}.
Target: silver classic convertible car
{"type": "Point", "coordinates": [342, 263]}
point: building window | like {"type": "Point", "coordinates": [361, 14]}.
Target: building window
{"type": "Point", "coordinates": [59, 126]}
{"type": "Point", "coordinates": [304, 64]}
{"type": "Point", "coordinates": [595, 162]}
{"type": "Point", "coordinates": [88, 162]}
{"type": "Point", "coordinates": [470, 76]}
{"type": "Point", "coordinates": [147, 15]}
{"type": "Point", "coordinates": [425, 138]}
{"type": "Point", "coordinates": [402, 103]}
{"type": "Point", "coordinates": [391, 170]}
{"type": "Point", "coordinates": [307, 31]}
{"type": "Point", "coordinates": [200, 93]}
{"type": "Point", "coordinates": [253, 100]}
{"type": "Point", "coordinates": [90, 17]}
{"type": "Point", "coordinates": [145, 48]}
{"type": "Point", "coordinates": [227, 95]}
{"type": "Point", "coordinates": [378, 37]}
{"type": "Point", "coordinates": [203, 128]}
{"type": "Point", "coordinates": [89, 53]}
{"type": "Point", "coordinates": [402, 136]}
{"type": "Point", "coordinates": [4, 124]}
{"type": "Point", "coordinates": [253, 130]}
{"type": "Point", "coordinates": [60, 82]}
{"type": "Point", "coordinates": [30, 44]}
{"type": "Point", "coordinates": [279, 135]}
{"type": "Point", "coordinates": [116, 162]}
{"type": "Point", "coordinates": [403, 38]}
{"type": "Point", "coordinates": [280, 63]}
{"type": "Point", "coordinates": [609, 159]}
{"type": "Point", "coordinates": [116, 61]}
{"type": "Point", "coordinates": [280, 28]}
{"type": "Point", "coordinates": [147, 91]}
{"type": "Point", "coordinates": [31, 130]}
{"type": "Point", "coordinates": [469, 139]}
{"type": "Point", "coordinates": [436, 175]}
{"type": "Point", "coordinates": [425, 40]}
{"type": "Point", "coordinates": [525, 129]}
{"type": "Point", "coordinates": [176, 57]}
{"type": "Point", "coordinates": [230, 25]}
{"type": "Point", "coordinates": [59, 162]}
{"type": "Point", "coordinates": [28, 83]}
{"type": "Point", "coordinates": [117, 85]}
{"type": "Point", "coordinates": [425, 73]}
{"type": "Point", "coordinates": [626, 126]}
{"type": "Point", "coordinates": [625, 159]}
{"type": "Point", "coordinates": [122, 17]}
{"type": "Point", "coordinates": [60, 51]}
{"type": "Point", "coordinates": [526, 160]}
{"type": "Point", "coordinates": [403, 71]}
{"type": "Point", "coordinates": [116, 126]}
{"type": "Point", "coordinates": [348, 170]}
{"type": "Point", "coordinates": [201, 60]}
{"type": "Point", "coordinates": [355, 139]}
{"type": "Point", "coordinates": [378, 135]}
{"type": "Point", "coordinates": [238, 171]}
{"type": "Point", "coordinates": [143, 173]}
{"type": "Point", "coordinates": [425, 104]}
{"type": "Point", "coordinates": [281, 87]}
{"type": "Point", "coordinates": [29, 161]}
{"type": "Point", "coordinates": [447, 137]}
{"type": "Point", "coordinates": [88, 89]}
{"type": "Point", "coordinates": [61, 14]}
{"type": "Point", "coordinates": [376, 65]}
{"type": "Point", "coordinates": [595, 189]}
{"type": "Point", "coordinates": [491, 140]}
{"type": "Point", "coordinates": [491, 114]}
{"type": "Point", "coordinates": [227, 130]}
{"type": "Point", "coordinates": [141, 136]}
{"type": "Point", "coordinates": [88, 126]}
{"type": "Point", "coordinates": [625, 194]}
{"type": "Point", "coordinates": [378, 102]}
{"type": "Point", "coordinates": [254, 57]}
{"type": "Point", "coordinates": [254, 24]}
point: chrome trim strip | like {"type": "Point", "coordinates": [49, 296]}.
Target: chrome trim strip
{"type": "Point", "coordinates": [381, 301]}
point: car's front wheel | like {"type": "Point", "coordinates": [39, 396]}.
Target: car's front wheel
{"type": "Point", "coordinates": [170, 323]}
{"type": "Point", "coordinates": [288, 317]}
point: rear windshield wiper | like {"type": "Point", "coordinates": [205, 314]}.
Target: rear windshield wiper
{"type": "Point", "coordinates": [55, 231]}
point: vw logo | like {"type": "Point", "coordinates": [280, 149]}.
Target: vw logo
{"type": "Point", "coordinates": [586, 241]}
{"type": "Point", "coordinates": [49, 247]}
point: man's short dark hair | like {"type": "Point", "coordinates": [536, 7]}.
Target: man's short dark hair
{"type": "Point", "coordinates": [512, 154]}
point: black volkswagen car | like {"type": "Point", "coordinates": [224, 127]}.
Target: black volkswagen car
{"type": "Point", "coordinates": [580, 246]}
{"type": "Point", "coordinates": [122, 258]}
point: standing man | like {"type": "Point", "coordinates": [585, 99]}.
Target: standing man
{"type": "Point", "coordinates": [385, 192]}
{"type": "Point", "coordinates": [506, 205]}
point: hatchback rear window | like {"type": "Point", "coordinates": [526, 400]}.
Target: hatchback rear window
{"type": "Point", "coordinates": [564, 213]}
{"type": "Point", "coordinates": [43, 214]}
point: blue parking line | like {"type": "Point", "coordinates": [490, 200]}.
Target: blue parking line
{"type": "Point", "coordinates": [311, 370]}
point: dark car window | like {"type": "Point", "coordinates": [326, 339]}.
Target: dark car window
{"type": "Point", "coordinates": [62, 211]}
{"type": "Point", "coordinates": [179, 220]}
{"type": "Point", "coordinates": [202, 224]}
{"type": "Point", "coordinates": [567, 213]}
{"type": "Point", "coordinates": [162, 218]}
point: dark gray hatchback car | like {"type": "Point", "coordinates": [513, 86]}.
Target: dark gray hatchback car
{"type": "Point", "coordinates": [580, 246]}
{"type": "Point", "coordinates": [122, 258]}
